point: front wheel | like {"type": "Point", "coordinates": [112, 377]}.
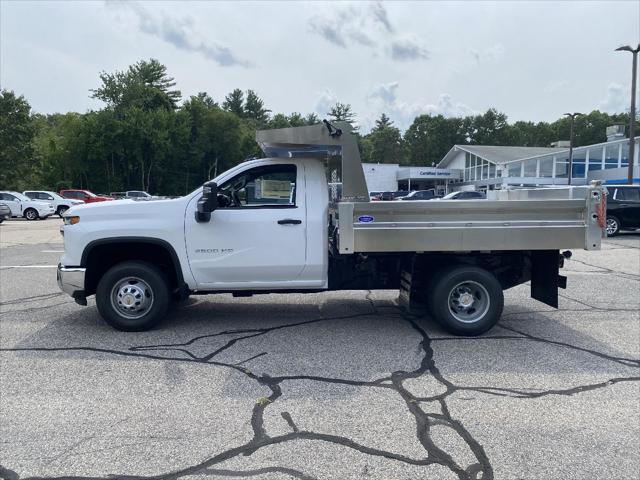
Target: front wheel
{"type": "Point", "coordinates": [613, 226]}
{"type": "Point", "coordinates": [31, 214]}
{"type": "Point", "coordinates": [61, 210]}
{"type": "Point", "coordinates": [466, 300]}
{"type": "Point", "coordinates": [133, 296]}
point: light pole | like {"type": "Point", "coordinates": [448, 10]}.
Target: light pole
{"type": "Point", "coordinates": [573, 117]}
{"type": "Point", "coordinates": [632, 113]}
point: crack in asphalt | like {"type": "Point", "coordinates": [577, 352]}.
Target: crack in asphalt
{"type": "Point", "coordinates": [481, 468]}
{"type": "Point", "coordinates": [605, 270]}
{"type": "Point", "coordinates": [33, 298]}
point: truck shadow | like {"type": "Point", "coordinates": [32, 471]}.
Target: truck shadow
{"type": "Point", "coordinates": [348, 338]}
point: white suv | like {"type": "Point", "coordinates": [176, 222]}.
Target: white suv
{"type": "Point", "coordinates": [60, 204]}
{"type": "Point", "coordinates": [23, 206]}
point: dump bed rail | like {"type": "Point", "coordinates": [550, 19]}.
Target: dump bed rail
{"type": "Point", "coordinates": [540, 219]}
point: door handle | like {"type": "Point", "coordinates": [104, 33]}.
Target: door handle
{"type": "Point", "coordinates": [289, 221]}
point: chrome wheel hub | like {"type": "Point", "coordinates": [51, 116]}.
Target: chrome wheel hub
{"type": "Point", "coordinates": [612, 226]}
{"type": "Point", "coordinates": [469, 301]}
{"type": "Point", "coordinates": [131, 297]}
{"type": "Point", "coordinates": [466, 300]}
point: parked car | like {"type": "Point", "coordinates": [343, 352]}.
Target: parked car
{"type": "Point", "coordinates": [375, 196]}
{"type": "Point", "coordinates": [84, 195]}
{"type": "Point", "coordinates": [623, 208]}
{"type": "Point", "coordinates": [388, 196]}
{"type": "Point", "coordinates": [420, 195]}
{"type": "Point", "coordinates": [5, 212]}
{"type": "Point", "coordinates": [23, 206]}
{"type": "Point", "coordinates": [60, 204]}
{"type": "Point", "coordinates": [134, 195]}
{"type": "Point", "coordinates": [464, 196]}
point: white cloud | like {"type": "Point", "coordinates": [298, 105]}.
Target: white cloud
{"type": "Point", "coordinates": [326, 100]}
{"type": "Point", "coordinates": [489, 54]}
{"type": "Point", "coordinates": [384, 98]}
{"type": "Point", "coordinates": [554, 86]}
{"type": "Point", "coordinates": [617, 99]}
{"type": "Point", "coordinates": [368, 27]}
{"type": "Point", "coordinates": [447, 107]}
{"type": "Point", "coordinates": [408, 48]}
{"type": "Point", "coordinates": [179, 32]}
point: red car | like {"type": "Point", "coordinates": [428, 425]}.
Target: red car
{"type": "Point", "coordinates": [86, 195]}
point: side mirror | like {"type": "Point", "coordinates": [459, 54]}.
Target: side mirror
{"type": "Point", "coordinates": [208, 203]}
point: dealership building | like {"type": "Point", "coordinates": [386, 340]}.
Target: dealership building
{"type": "Point", "coordinates": [489, 167]}
{"type": "Point", "coordinates": [389, 177]}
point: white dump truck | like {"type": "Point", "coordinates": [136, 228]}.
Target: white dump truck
{"type": "Point", "coordinates": [281, 224]}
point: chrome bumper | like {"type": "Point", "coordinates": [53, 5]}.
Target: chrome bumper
{"type": "Point", "coordinates": [71, 281]}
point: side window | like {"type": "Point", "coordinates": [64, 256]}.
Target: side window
{"type": "Point", "coordinates": [273, 185]}
{"type": "Point", "coordinates": [9, 197]}
{"type": "Point", "coordinates": [629, 194]}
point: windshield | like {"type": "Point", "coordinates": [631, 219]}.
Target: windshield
{"type": "Point", "coordinates": [54, 195]}
{"type": "Point", "coordinates": [22, 197]}
{"type": "Point", "coordinates": [450, 195]}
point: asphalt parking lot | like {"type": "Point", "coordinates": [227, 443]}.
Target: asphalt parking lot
{"type": "Point", "coordinates": [330, 386]}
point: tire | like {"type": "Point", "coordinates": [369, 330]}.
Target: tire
{"type": "Point", "coordinates": [133, 296]}
{"type": "Point", "coordinates": [61, 210]}
{"type": "Point", "coordinates": [613, 226]}
{"type": "Point", "coordinates": [31, 214]}
{"type": "Point", "coordinates": [461, 285]}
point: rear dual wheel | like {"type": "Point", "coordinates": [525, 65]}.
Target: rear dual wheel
{"type": "Point", "coordinates": [466, 300]}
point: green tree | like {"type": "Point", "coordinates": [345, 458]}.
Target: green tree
{"type": "Point", "coordinates": [144, 85]}
{"type": "Point", "coordinates": [311, 119]}
{"type": "Point", "coordinates": [490, 128]}
{"type": "Point", "coordinates": [234, 103]}
{"type": "Point", "coordinates": [386, 142]}
{"type": "Point", "coordinates": [16, 135]}
{"type": "Point", "coordinates": [429, 138]}
{"type": "Point", "coordinates": [342, 112]}
{"type": "Point", "coordinates": [254, 108]}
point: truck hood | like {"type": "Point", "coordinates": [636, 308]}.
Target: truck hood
{"type": "Point", "coordinates": [125, 209]}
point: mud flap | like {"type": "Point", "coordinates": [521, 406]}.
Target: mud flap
{"type": "Point", "coordinates": [545, 278]}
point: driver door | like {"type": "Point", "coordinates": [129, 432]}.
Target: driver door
{"type": "Point", "coordinates": [256, 238]}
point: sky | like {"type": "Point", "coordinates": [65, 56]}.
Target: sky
{"type": "Point", "coordinates": [531, 60]}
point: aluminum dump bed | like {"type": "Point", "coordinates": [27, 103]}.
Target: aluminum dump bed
{"type": "Point", "coordinates": [535, 219]}
{"type": "Point", "coordinates": [524, 219]}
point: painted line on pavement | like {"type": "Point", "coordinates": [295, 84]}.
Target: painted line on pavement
{"type": "Point", "coordinates": [27, 266]}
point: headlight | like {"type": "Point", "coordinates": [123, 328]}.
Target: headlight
{"type": "Point", "coordinates": [71, 220]}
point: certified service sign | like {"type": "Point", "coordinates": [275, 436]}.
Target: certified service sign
{"type": "Point", "coordinates": [365, 219]}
